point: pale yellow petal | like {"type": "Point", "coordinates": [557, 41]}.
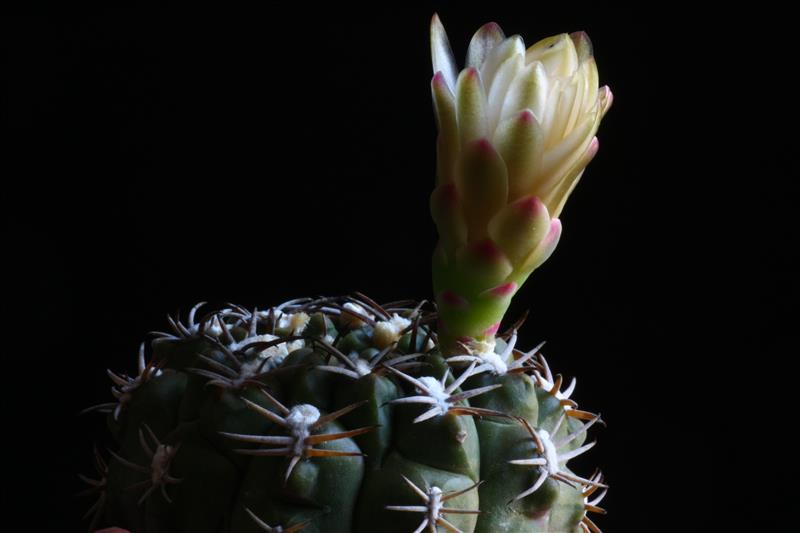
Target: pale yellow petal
{"type": "Point", "coordinates": [483, 263]}
{"type": "Point", "coordinates": [550, 107]}
{"type": "Point", "coordinates": [520, 141]}
{"type": "Point", "coordinates": [499, 87]}
{"type": "Point", "coordinates": [448, 140]}
{"type": "Point", "coordinates": [528, 90]}
{"type": "Point", "coordinates": [560, 158]}
{"type": "Point", "coordinates": [485, 39]}
{"type": "Point", "coordinates": [519, 228]}
{"type": "Point", "coordinates": [557, 54]}
{"type": "Point", "coordinates": [470, 106]}
{"type": "Point", "coordinates": [441, 53]}
{"type": "Point", "coordinates": [560, 126]}
{"type": "Point", "coordinates": [513, 46]}
{"type": "Point", "coordinates": [557, 198]}
{"type": "Point", "coordinates": [583, 45]}
{"type": "Point", "coordinates": [606, 99]}
{"type": "Point", "coordinates": [545, 248]}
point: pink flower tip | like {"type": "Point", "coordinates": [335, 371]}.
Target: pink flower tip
{"type": "Point", "coordinates": [446, 195]}
{"type": "Point", "coordinates": [579, 36]}
{"type": "Point", "coordinates": [453, 299]}
{"type": "Point", "coordinates": [555, 230]}
{"type": "Point", "coordinates": [530, 206]}
{"type": "Point", "coordinates": [483, 146]}
{"type": "Point", "coordinates": [526, 116]}
{"type": "Point", "coordinates": [450, 192]}
{"type": "Point", "coordinates": [506, 289]}
{"type": "Point", "coordinates": [486, 250]}
{"type": "Point", "coordinates": [607, 95]}
{"type": "Point", "coordinates": [491, 330]}
{"type": "Point", "coordinates": [591, 150]}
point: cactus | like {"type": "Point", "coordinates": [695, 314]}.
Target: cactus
{"type": "Point", "coordinates": [339, 414]}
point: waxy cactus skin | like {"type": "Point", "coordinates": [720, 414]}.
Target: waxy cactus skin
{"type": "Point", "coordinates": [302, 417]}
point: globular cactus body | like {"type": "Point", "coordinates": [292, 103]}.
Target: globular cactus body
{"type": "Point", "coordinates": [340, 415]}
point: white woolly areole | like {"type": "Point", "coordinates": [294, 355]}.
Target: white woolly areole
{"type": "Point", "coordinates": [302, 415]}
{"type": "Point", "coordinates": [159, 466]}
{"type": "Point", "coordinates": [559, 395]}
{"type": "Point", "coordinates": [498, 365]}
{"type": "Point", "coordinates": [265, 314]}
{"type": "Point", "coordinates": [387, 332]}
{"type": "Point", "coordinates": [354, 321]}
{"type": "Point", "coordinates": [477, 347]}
{"type": "Point", "coordinates": [298, 423]}
{"type": "Point", "coordinates": [278, 352]}
{"type": "Point", "coordinates": [550, 452]}
{"type": "Point", "coordinates": [295, 322]}
{"type": "Point", "coordinates": [437, 392]}
{"type": "Point", "coordinates": [274, 354]}
{"type": "Point", "coordinates": [362, 367]}
{"type": "Point", "coordinates": [485, 351]}
{"type": "Point", "coordinates": [257, 365]}
{"type": "Point", "coordinates": [435, 504]}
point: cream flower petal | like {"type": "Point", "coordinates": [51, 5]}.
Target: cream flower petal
{"type": "Point", "coordinates": [528, 90]}
{"type": "Point", "coordinates": [520, 142]}
{"type": "Point", "coordinates": [499, 87]}
{"type": "Point", "coordinates": [606, 99]}
{"type": "Point", "coordinates": [556, 199]}
{"type": "Point", "coordinates": [513, 46]}
{"type": "Point", "coordinates": [442, 54]}
{"type": "Point", "coordinates": [557, 159]}
{"type": "Point", "coordinates": [515, 124]}
{"type": "Point", "coordinates": [448, 142]}
{"type": "Point", "coordinates": [471, 107]}
{"type": "Point", "coordinates": [480, 47]}
{"type": "Point", "coordinates": [557, 54]}
{"type": "Point", "coordinates": [547, 119]}
{"type": "Point", "coordinates": [545, 248]}
{"type": "Point", "coordinates": [519, 228]}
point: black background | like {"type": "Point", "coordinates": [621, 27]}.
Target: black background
{"type": "Point", "coordinates": [157, 160]}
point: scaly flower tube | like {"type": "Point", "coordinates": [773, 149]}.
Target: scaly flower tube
{"type": "Point", "coordinates": [516, 131]}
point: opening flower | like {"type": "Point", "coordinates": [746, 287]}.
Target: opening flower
{"type": "Point", "coordinates": [516, 131]}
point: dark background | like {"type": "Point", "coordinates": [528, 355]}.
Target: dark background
{"type": "Point", "coordinates": [157, 160]}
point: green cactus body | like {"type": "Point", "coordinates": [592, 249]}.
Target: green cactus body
{"type": "Point", "coordinates": [245, 422]}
